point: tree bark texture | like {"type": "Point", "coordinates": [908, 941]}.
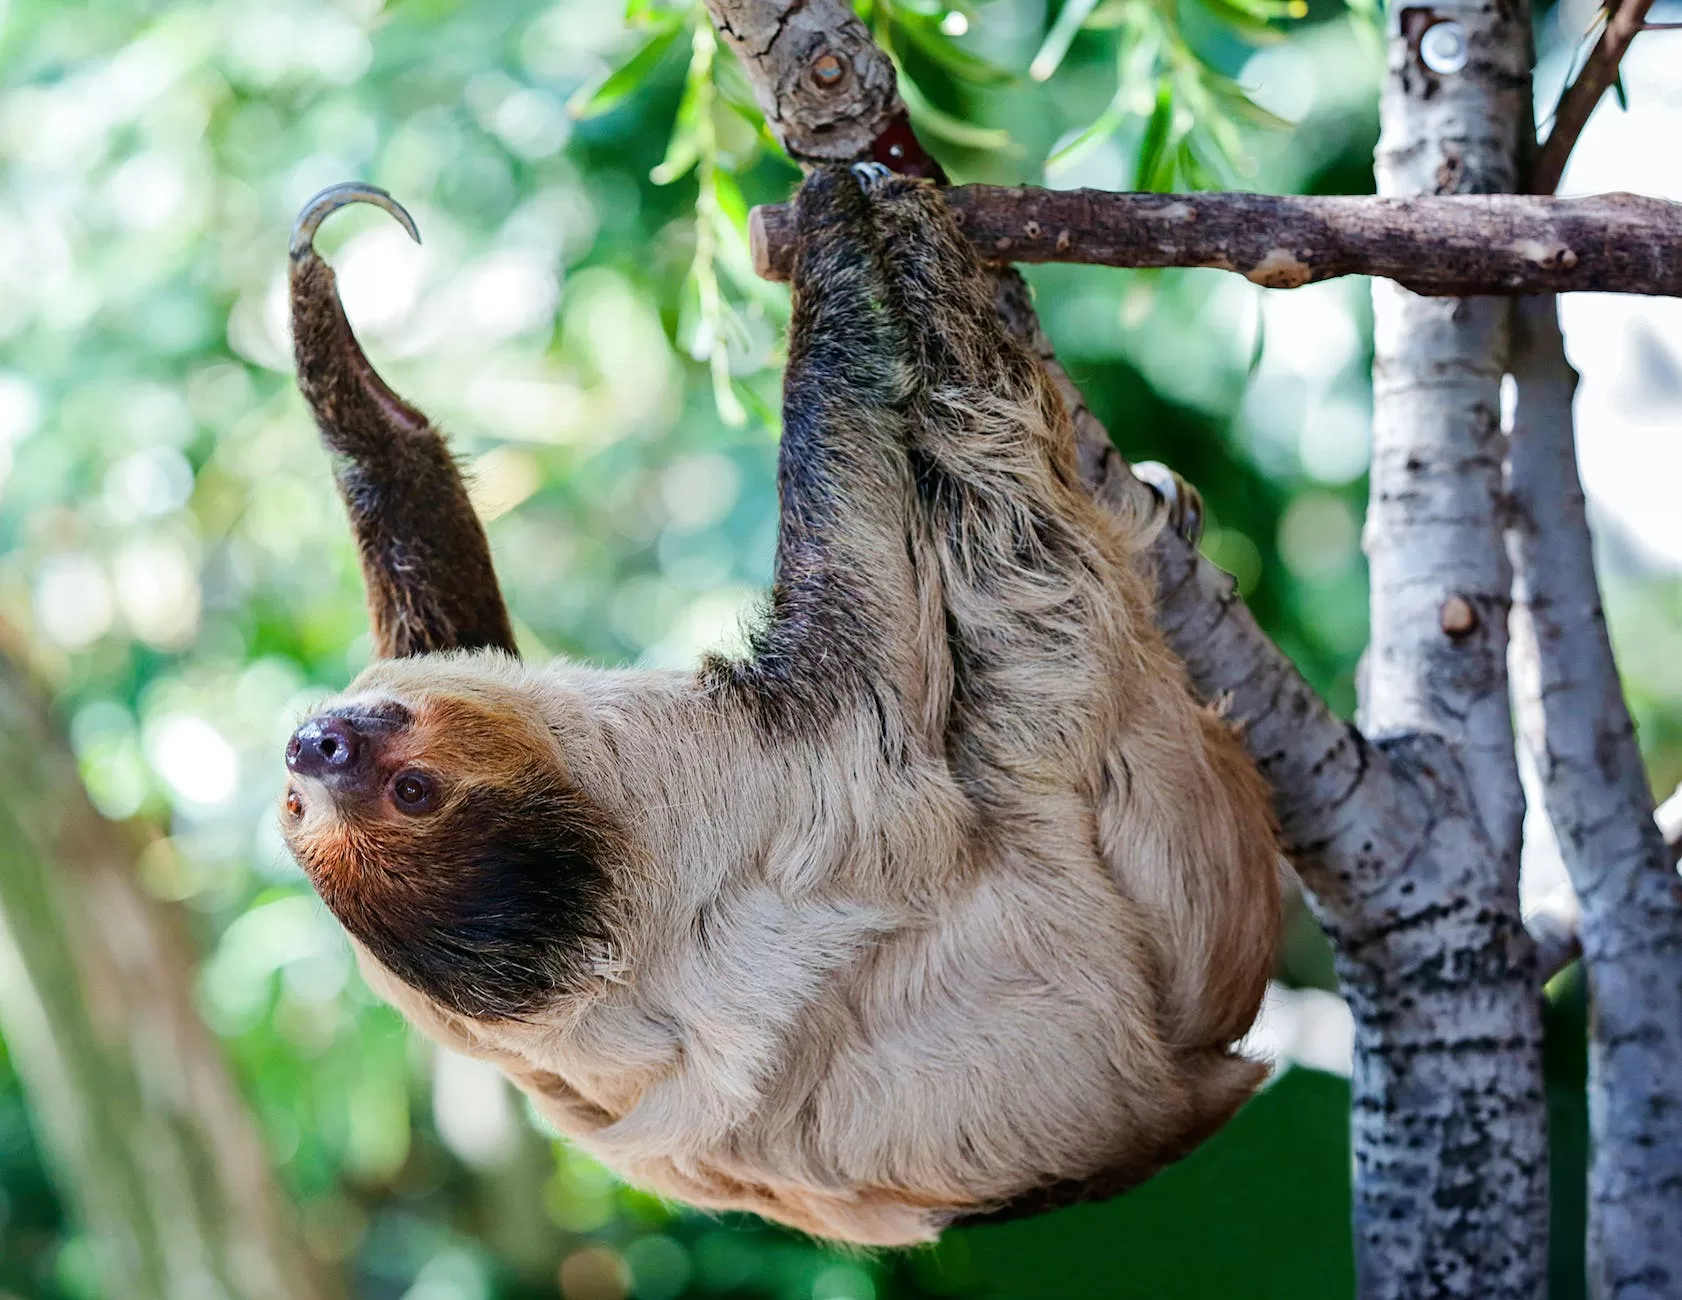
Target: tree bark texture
{"type": "Point", "coordinates": [1575, 724]}
{"type": "Point", "coordinates": [1620, 853]}
{"type": "Point", "coordinates": [136, 1106]}
{"type": "Point", "coordinates": [1450, 1125]}
{"type": "Point", "coordinates": [1453, 245]}
{"type": "Point", "coordinates": [826, 90]}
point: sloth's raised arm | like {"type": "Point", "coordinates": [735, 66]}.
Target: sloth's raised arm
{"type": "Point", "coordinates": [424, 555]}
{"type": "Point", "coordinates": [849, 615]}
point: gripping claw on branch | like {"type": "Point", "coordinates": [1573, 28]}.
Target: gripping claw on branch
{"type": "Point", "coordinates": [342, 195]}
{"type": "Point", "coordinates": [871, 176]}
{"type": "Point", "coordinates": [1182, 502]}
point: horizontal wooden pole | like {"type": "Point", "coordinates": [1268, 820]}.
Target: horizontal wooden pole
{"type": "Point", "coordinates": [1459, 246]}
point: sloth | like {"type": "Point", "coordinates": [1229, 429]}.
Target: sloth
{"type": "Point", "coordinates": [945, 901]}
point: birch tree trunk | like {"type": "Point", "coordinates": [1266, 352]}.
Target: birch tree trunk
{"type": "Point", "coordinates": [1576, 725]}
{"type": "Point", "coordinates": [154, 1144]}
{"type": "Point", "coordinates": [1448, 1094]}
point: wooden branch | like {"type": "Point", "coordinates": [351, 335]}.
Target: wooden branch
{"type": "Point", "coordinates": [154, 1147]}
{"type": "Point", "coordinates": [1576, 725]}
{"type": "Point", "coordinates": [1458, 246]}
{"type": "Point", "coordinates": [826, 90]}
{"type": "Point", "coordinates": [1580, 97]}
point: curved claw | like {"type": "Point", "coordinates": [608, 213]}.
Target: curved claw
{"type": "Point", "coordinates": [871, 176]}
{"type": "Point", "coordinates": [342, 195]}
{"type": "Point", "coordinates": [1181, 502]}
{"type": "Point", "coordinates": [431, 584]}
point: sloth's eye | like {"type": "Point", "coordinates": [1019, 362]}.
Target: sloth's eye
{"type": "Point", "coordinates": [414, 792]}
{"type": "Point", "coordinates": [294, 804]}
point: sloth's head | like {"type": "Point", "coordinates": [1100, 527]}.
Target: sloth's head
{"type": "Point", "coordinates": [434, 813]}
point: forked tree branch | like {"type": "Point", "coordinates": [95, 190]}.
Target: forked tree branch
{"type": "Point", "coordinates": [1455, 246]}
{"type": "Point", "coordinates": [1576, 725]}
{"type": "Point", "coordinates": [1623, 25]}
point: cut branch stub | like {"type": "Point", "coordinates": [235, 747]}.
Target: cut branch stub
{"type": "Point", "coordinates": [830, 91]}
{"type": "Point", "coordinates": [1442, 246]}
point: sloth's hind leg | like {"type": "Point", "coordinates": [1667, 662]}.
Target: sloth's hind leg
{"type": "Point", "coordinates": [1038, 596]}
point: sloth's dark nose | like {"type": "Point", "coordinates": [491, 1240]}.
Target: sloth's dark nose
{"type": "Point", "coordinates": [329, 749]}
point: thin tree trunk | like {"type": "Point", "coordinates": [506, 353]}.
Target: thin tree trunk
{"type": "Point", "coordinates": [153, 1143]}
{"type": "Point", "coordinates": [1576, 725]}
{"type": "Point", "coordinates": [1451, 1181]}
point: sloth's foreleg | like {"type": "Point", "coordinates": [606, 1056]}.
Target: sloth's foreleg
{"type": "Point", "coordinates": [1039, 598]}
{"type": "Point", "coordinates": [424, 555]}
{"type": "Point", "coordinates": [852, 614]}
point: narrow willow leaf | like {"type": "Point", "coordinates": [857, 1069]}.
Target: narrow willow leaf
{"type": "Point", "coordinates": [938, 121]}
{"type": "Point", "coordinates": [1062, 35]}
{"type": "Point", "coordinates": [1101, 129]}
{"type": "Point", "coordinates": [1255, 19]}
{"type": "Point", "coordinates": [1258, 347]}
{"type": "Point", "coordinates": [732, 204]}
{"type": "Point", "coordinates": [1148, 169]}
{"type": "Point", "coordinates": [1110, 14]}
{"type": "Point", "coordinates": [594, 100]}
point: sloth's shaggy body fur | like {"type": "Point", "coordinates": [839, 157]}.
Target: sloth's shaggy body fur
{"type": "Point", "coordinates": [948, 895]}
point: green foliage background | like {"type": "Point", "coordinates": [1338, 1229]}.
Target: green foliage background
{"type": "Point", "coordinates": [582, 318]}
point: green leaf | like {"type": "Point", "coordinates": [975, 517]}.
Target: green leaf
{"type": "Point", "coordinates": [1111, 14]}
{"type": "Point", "coordinates": [732, 205]}
{"type": "Point", "coordinates": [903, 9]}
{"type": "Point", "coordinates": [1154, 167]}
{"type": "Point", "coordinates": [1619, 90]}
{"type": "Point", "coordinates": [1258, 347]}
{"type": "Point", "coordinates": [1256, 19]}
{"type": "Point", "coordinates": [1102, 128]}
{"type": "Point", "coordinates": [629, 76]}
{"type": "Point", "coordinates": [1062, 35]}
{"type": "Point", "coordinates": [937, 121]}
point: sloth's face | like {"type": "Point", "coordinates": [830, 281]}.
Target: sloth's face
{"type": "Point", "coordinates": [433, 814]}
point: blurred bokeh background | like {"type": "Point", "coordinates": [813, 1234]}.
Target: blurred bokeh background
{"type": "Point", "coordinates": [177, 582]}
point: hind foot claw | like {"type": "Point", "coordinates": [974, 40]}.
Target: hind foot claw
{"type": "Point", "coordinates": [871, 176]}
{"type": "Point", "coordinates": [1182, 502]}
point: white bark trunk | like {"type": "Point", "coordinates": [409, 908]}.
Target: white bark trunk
{"type": "Point", "coordinates": [1451, 1183]}
{"type": "Point", "coordinates": [1575, 724]}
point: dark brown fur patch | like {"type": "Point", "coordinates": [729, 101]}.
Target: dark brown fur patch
{"type": "Point", "coordinates": [495, 903]}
